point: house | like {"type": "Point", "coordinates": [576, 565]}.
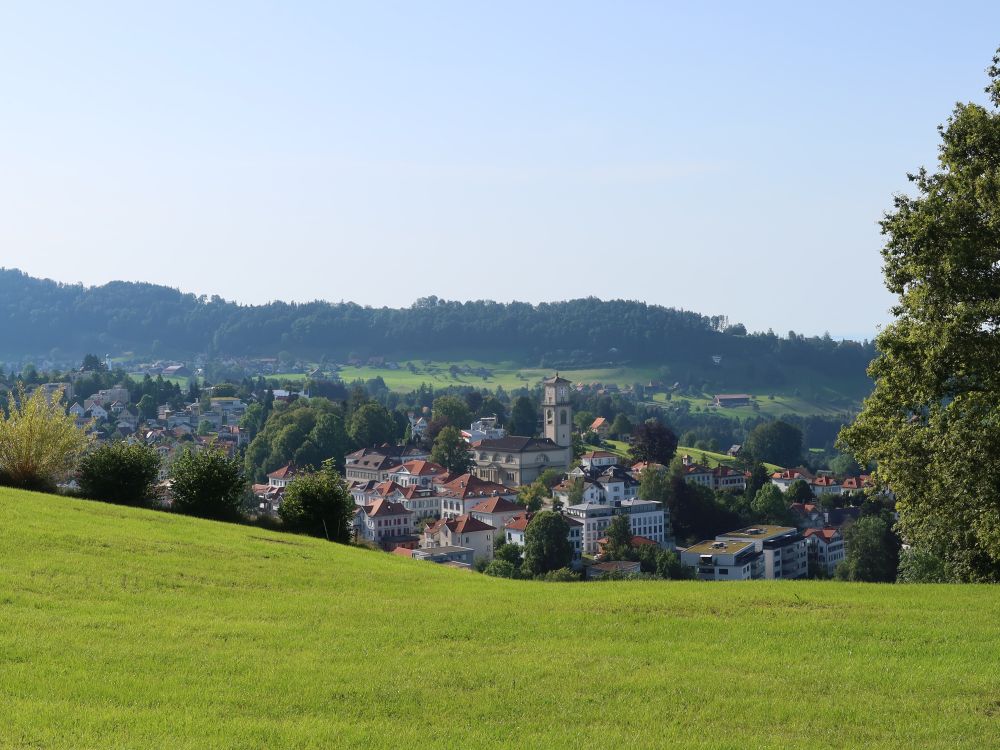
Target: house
{"type": "Point", "coordinates": [516, 528]}
{"type": "Point", "coordinates": [601, 427]}
{"type": "Point", "coordinates": [825, 485]}
{"type": "Point", "coordinates": [598, 459]}
{"type": "Point", "coordinates": [385, 523]}
{"type": "Point", "coordinates": [418, 426]}
{"type": "Point", "coordinates": [613, 567]}
{"type": "Point", "coordinates": [496, 511]}
{"type": "Point", "coordinates": [484, 429]}
{"type": "Point", "coordinates": [734, 450]}
{"type": "Point", "coordinates": [723, 561]}
{"type": "Point", "coordinates": [463, 531]}
{"type": "Point", "coordinates": [460, 494]}
{"type": "Point", "coordinates": [423, 502]}
{"type": "Point", "coordinates": [176, 371]}
{"type": "Point", "coordinates": [855, 485]}
{"type": "Point", "coordinates": [77, 411]}
{"type": "Point", "coordinates": [281, 478]}
{"type": "Point", "coordinates": [376, 462]}
{"type": "Point", "coordinates": [807, 515]}
{"type": "Point", "coordinates": [785, 479]}
{"type": "Point", "coordinates": [416, 473]}
{"type": "Point", "coordinates": [783, 548]}
{"type": "Point", "coordinates": [825, 548]}
{"type": "Point", "coordinates": [731, 400]}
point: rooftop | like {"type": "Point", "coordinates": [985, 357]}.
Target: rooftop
{"type": "Point", "coordinates": [710, 547]}
{"type": "Point", "coordinates": [760, 531]}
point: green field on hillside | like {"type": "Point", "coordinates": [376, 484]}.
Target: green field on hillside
{"type": "Point", "coordinates": [137, 629]}
{"type": "Point", "coordinates": [505, 374]}
{"type": "Point", "coordinates": [772, 405]}
{"type": "Point", "coordinates": [705, 458]}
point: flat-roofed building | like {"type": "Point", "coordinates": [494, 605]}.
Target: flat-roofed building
{"type": "Point", "coordinates": [723, 561]}
{"type": "Point", "coordinates": [783, 547]}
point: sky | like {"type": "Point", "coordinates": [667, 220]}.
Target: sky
{"type": "Point", "coordinates": [728, 158]}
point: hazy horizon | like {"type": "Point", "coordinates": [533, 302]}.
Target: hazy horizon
{"type": "Point", "coordinates": [727, 160]}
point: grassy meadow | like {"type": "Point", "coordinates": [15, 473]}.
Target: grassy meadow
{"type": "Point", "coordinates": [136, 629]}
{"type": "Point", "coordinates": [772, 405]}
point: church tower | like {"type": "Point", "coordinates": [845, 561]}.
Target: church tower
{"type": "Point", "coordinates": [557, 412]}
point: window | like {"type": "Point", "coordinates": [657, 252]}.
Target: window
{"type": "Point", "coordinates": [562, 417]}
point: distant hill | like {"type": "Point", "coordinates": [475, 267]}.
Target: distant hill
{"type": "Point", "coordinates": [136, 629]}
{"type": "Point", "coordinates": [40, 315]}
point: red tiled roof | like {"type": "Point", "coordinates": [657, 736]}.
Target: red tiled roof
{"type": "Point", "coordinates": [465, 524]}
{"type": "Point", "coordinates": [402, 552]}
{"type": "Point", "coordinates": [385, 508]}
{"type": "Point", "coordinates": [422, 468]}
{"type": "Point", "coordinates": [286, 471]}
{"type": "Point", "coordinates": [469, 485]}
{"type": "Point", "coordinates": [827, 535]}
{"type": "Point", "coordinates": [496, 505]}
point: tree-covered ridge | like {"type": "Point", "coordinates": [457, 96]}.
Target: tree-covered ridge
{"type": "Point", "coordinates": [39, 315]}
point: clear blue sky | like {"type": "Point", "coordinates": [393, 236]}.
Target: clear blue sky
{"type": "Point", "coordinates": [729, 158]}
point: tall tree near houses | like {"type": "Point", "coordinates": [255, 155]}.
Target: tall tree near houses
{"type": "Point", "coordinates": [932, 423]}
{"type": "Point", "coordinates": [451, 451]}
{"type": "Point", "coordinates": [653, 442]}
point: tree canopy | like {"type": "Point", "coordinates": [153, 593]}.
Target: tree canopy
{"type": "Point", "coordinates": [932, 424]}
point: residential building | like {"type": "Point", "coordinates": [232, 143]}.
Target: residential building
{"type": "Point", "coordinates": [416, 473]}
{"type": "Point", "coordinates": [647, 518]}
{"type": "Point", "coordinates": [825, 548]}
{"type": "Point", "coordinates": [484, 429]}
{"type": "Point", "coordinates": [496, 511]}
{"type": "Point", "coordinates": [724, 561]}
{"type": "Point", "coordinates": [463, 531]}
{"type": "Point", "coordinates": [459, 557]}
{"type": "Point", "coordinates": [601, 427]}
{"type": "Point", "coordinates": [783, 548]}
{"type": "Point", "coordinates": [460, 494]}
{"type": "Point", "coordinates": [377, 462]}
{"type": "Point", "coordinates": [598, 459]}
{"type": "Point", "coordinates": [385, 523]}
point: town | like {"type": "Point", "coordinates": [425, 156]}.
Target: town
{"type": "Point", "coordinates": [441, 478]}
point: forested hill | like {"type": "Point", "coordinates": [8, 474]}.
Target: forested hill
{"type": "Point", "coordinates": [37, 316]}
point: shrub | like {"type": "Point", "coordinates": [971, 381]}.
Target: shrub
{"type": "Point", "coordinates": [500, 569]}
{"type": "Point", "coordinates": [39, 441]}
{"type": "Point", "coordinates": [318, 504]}
{"type": "Point", "coordinates": [207, 484]}
{"type": "Point", "coordinates": [119, 473]}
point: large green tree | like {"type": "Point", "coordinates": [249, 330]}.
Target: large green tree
{"type": "Point", "coordinates": [318, 504]}
{"type": "Point", "coordinates": [872, 551]}
{"type": "Point", "coordinates": [932, 423]}
{"type": "Point", "coordinates": [653, 442]}
{"type": "Point", "coordinates": [451, 451]}
{"type": "Point", "coordinates": [523, 417]}
{"type": "Point", "coordinates": [775, 442]}
{"type": "Point", "coordinates": [452, 410]}
{"type": "Point", "coordinates": [546, 544]}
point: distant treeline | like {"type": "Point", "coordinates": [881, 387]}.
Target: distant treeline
{"type": "Point", "coordinates": [37, 316]}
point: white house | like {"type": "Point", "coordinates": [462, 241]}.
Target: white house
{"type": "Point", "coordinates": [783, 548]}
{"type": "Point", "coordinates": [723, 561]}
{"type": "Point", "coordinates": [825, 548]}
{"type": "Point", "coordinates": [463, 531]}
{"type": "Point", "coordinates": [384, 523]}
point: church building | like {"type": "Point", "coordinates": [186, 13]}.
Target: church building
{"type": "Point", "coordinates": [514, 460]}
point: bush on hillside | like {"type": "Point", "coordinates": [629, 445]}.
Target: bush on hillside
{"type": "Point", "coordinates": [119, 473]}
{"type": "Point", "coordinates": [207, 484]}
{"type": "Point", "coordinates": [39, 441]}
{"type": "Point", "coordinates": [318, 504]}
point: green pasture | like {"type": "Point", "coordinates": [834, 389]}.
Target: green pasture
{"type": "Point", "coordinates": [137, 629]}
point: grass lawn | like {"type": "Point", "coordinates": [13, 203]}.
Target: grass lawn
{"type": "Point", "coordinates": [706, 458]}
{"type": "Point", "coordinates": [136, 629]}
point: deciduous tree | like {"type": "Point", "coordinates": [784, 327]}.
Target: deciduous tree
{"type": "Point", "coordinates": [932, 423]}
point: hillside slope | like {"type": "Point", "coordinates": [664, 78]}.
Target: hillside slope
{"type": "Point", "coordinates": [128, 628]}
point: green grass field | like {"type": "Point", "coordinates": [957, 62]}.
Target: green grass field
{"type": "Point", "coordinates": [705, 458]}
{"type": "Point", "coordinates": [136, 629]}
{"type": "Point", "coordinates": [773, 407]}
{"type": "Point", "coordinates": [505, 374]}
